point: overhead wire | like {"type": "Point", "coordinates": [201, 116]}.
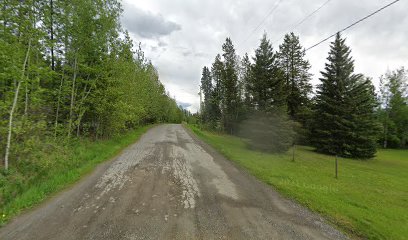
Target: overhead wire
{"type": "Point", "coordinates": [351, 25]}
{"type": "Point", "coordinates": [276, 5]}
{"type": "Point", "coordinates": [303, 20]}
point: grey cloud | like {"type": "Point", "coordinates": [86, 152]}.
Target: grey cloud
{"type": "Point", "coordinates": [187, 53]}
{"type": "Point", "coordinates": [162, 44]}
{"type": "Point", "coordinates": [146, 24]}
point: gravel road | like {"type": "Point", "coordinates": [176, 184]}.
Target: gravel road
{"type": "Point", "coordinates": [169, 185]}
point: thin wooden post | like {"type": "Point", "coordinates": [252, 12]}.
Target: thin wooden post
{"type": "Point", "coordinates": [336, 167]}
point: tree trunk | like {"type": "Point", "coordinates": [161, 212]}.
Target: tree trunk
{"type": "Point", "coordinates": [13, 107]}
{"type": "Point", "coordinates": [26, 99]}
{"type": "Point", "coordinates": [386, 129]}
{"type": "Point", "coordinates": [71, 109]}
{"type": "Point", "coordinates": [82, 111]}
{"type": "Point", "coordinates": [26, 92]}
{"type": "Point", "coordinates": [58, 106]}
{"type": "Point", "coordinates": [52, 34]}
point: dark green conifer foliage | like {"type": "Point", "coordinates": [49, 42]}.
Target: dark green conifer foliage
{"type": "Point", "coordinates": [267, 85]}
{"type": "Point", "coordinates": [217, 71]}
{"type": "Point", "coordinates": [246, 81]}
{"type": "Point", "coordinates": [344, 117]}
{"type": "Point", "coordinates": [206, 88]}
{"type": "Point", "coordinates": [231, 98]}
{"type": "Point", "coordinates": [267, 126]}
{"type": "Point", "coordinates": [291, 57]}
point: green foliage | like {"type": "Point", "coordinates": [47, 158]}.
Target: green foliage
{"type": "Point", "coordinates": [231, 99]}
{"type": "Point", "coordinates": [250, 99]}
{"type": "Point", "coordinates": [393, 111]}
{"type": "Point", "coordinates": [207, 89]}
{"type": "Point", "coordinates": [52, 167]}
{"type": "Point", "coordinates": [269, 132]}
{"type": "Point", "coordinates": [217, 71]}
{"type": "Point", "coordinates": [266, 85]}
{"type": "Point", "coordinates": [78, 82]}
{"type": "Point", "coordinates": [267, 125]}
{"type": "Point", "coordinates": [79, 78]}
{"type": "Point", "coordinates": [368, 200]}
{"type": "Point", "coordinates": [344, 118]}
{"type": "Point", "coordinates": [291, 57]}
{"type": "Point", "coordinates": [221, 89]}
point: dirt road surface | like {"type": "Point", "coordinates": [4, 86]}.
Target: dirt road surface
{"type": "Point", "coordinates": [169, 185]}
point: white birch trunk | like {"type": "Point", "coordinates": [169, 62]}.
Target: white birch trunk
{"type": "Point", "coordinates": [13, 107]}
{"type": "Point", "coordinates": [71, 109]}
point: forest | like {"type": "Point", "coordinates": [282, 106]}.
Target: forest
{"type": "Point", "coordinates": [269, 100]}
{"type": "Point", "coordinates": [69, 74]}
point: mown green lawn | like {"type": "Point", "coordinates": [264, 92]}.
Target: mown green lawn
{"type": "Point", "coordinates": [369, 199]}
{"type": "Point", "coordinates": [57, 170]}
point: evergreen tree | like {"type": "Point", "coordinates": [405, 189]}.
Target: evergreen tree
{"type": "Point", "coordinates": [344, 117]}
{"type": "Point", "coordinates": [246, 81]}
{"type": "Point", "coordinates": [267, 125]}
{"type": "Point", "coordinates": [231, 98]}
{"type": "Point", "coordinates": [267, 86]}
{"type": "Point", "coordinates": [217, 71]}
{"type": "Point", "coordinates": [296, 68]}
{"type": "Point", "coordinates": [207, 89]}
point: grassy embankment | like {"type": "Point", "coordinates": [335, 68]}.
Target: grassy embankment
{"type": "Point", "coordinates": [55, 170]}
{"type": "Point", "coordinates": [369, 199]}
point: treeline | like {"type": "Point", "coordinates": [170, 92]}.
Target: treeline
{"type": "Point", "coordinates": [269, 100]}
{"type": "Point", "coordinates": [68, 70]}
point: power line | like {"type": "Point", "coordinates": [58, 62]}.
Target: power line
{"type": "Point", "coordinates": [304, 19]}
{"type": "Point", "coordinates": [351, 25]}
{"type": "Point", "coordinates": [264, 19]}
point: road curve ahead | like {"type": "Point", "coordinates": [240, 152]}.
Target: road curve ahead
{"type": "Point", "coordinates": [169, 185]}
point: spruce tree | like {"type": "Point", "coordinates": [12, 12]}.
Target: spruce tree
{"type": "Point", "coordinates": [217, 71]}
{"type": "Point", "coordinates": [344, 119]}
{"type": "Point", "coordinates": [246, 78]}
{"type": "Point", "coordinates": [291, 57]}
{"type": "Point", "coordinates": [267, 84]}
{"type": "Point", "coordinates": [231, 99]}
{"type": "Point", "coordinates": [206, 87]}
{"type": "Point", "coordinates": [267, 126]}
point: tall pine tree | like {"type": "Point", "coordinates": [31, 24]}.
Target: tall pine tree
{"type": "Point", "coordinates": [207, 88]}
{"type": "Point", "coordinates": [231, 98]}
{"type": "Point", "coordinates": [267, 84]}
{"type": "Point", "coordinates": [246, 81]}
{"type": "Point", "coordinates": [344, 117]}
{"type": "Point", "coordinates": [291, 57]}
{"type": "Point", "coordinates": [267, 126]}
{"type": "Point", "coordinates": [217, 71]}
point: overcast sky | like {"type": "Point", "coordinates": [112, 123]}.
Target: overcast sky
{"type": "Point", "coordinates": [182, 36]}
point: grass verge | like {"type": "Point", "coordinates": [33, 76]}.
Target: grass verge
{"type": "Point", "coordinates": [368, 200]}
{"type": "Point", "coordinates": [56, 170]}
